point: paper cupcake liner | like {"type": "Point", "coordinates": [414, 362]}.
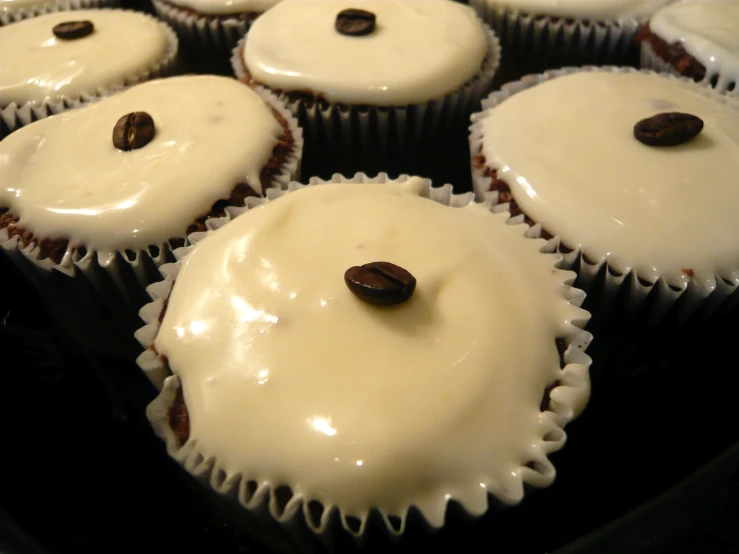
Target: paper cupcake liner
{"type": "Point", "coordinates": [649, 59]}
{"type": "Point", "coordinates": [308, 521]}
{"type": "Point", "coordinates": [628, 290]}
{"type": "Point", "coordinates": [562, 41]}
{"type": "Point", "coordinates": [204, 32]}
{"type": "Point", "coordinates": [55, 6]}
{"type": "Point", "coordinates": [101, 293]}
{"type": "Point", "coordinates": [387, 139]}
{"type": "Point", "coordinates": [15, 116]}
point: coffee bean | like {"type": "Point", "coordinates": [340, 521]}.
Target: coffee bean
{"type": "Point", "coordinates": [668, 129]}
{"type": "Point", "coordinates": [69, 30]}
{"type": "Point", "coordinates": [355, 23]}
{"type": "Point", "coordinates": [133, 131]}
{"type": "Point", "coordinates": [380, 283]}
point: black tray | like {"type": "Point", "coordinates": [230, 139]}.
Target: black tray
{"type": "Point", "coordinates": [652, 466]}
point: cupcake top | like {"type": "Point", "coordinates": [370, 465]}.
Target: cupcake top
{"type": "Point", "coordinates": [289, 377]}
{"type": "Point", "coordinates": [225, 7]}
{"type": "Point", "coordinates": [65, 177]}
{"type": "Point", "coordinates": [37, 65]}
{"type": "Point", "coordinates": [707, 29]}
{"type": "Point", "coordinates": [566, 148]}
{"type": "Point", "coordinates": [598, 10]}
{"type": "Point", "coordinates": [417, 50]}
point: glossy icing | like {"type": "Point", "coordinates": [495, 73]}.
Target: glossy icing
{"type": "Point", "coordinates": [708, 30]}
{"type": "Point", "coordinates": [578, 171]}
{"type": "Point", "coordinates": [64, 177]}
{"type": "Point", "coordinates": [599, 10]}
{"type": "Point", "coordinates": [290, 378]}
{"type": "Point", "coordinates": [36, 65]}
{"type": "Point", "coordinates": [222, 7]}
{"type": "Point", "coordinates": [420, 50]}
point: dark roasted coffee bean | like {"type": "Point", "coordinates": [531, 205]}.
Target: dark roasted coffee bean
{"type": "Point", "coordinates": [355, 23]}
{"type": "Point", "coordinates": [668, 129]}
{"type": "Point", "coordinates": [69, 30]}
{"type": "Point", "coordinates": [133, 131]}
{"type": "Point", "coordinates": [380, 283]}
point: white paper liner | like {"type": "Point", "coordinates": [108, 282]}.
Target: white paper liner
{"type": "Point", "coordinates": [112, 286]}
{"type": "Point", "coordinates": [205, 32]}
{"type": "Point", "coordinates": [14, 116]}
{"type": "Point", "coordinates": [631, 292]}
{"type": "Point", "coordinates": [563, 41]}
{"type": "Point", "coordinates": [377, 138]}
{"type": "Point", "coordinates": [649, 59]}
{"type": "Point", "coordinates": [298, 516]}
{"type": "Point", "coordinates": [54, 6]}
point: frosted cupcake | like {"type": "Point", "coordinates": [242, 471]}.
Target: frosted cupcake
{"type": "Point", "coordinates": [15, 10]}
{"type": "Point", "coordinates": [103, 193]}
{"type": "Point", "coordinates": [61, 59]}
{"type": "Point", "coordinates": [288, 385]}
{"type": "Point", "coordinates": [697, 39]}
{"type": "Point", "coordinates": [374, 82]}
{"type": "Point", "coordinates": [570, 150]}
{"type": "Point", "coordinates": [211, 26]}
{"type": "Point", "coordinates": [567, 32]}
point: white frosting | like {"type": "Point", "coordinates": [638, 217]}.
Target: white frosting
{"type": "Point", "coordinates": [708, 30]}
{"type": "Point", "coordinates": [290, 378]}
{"type": "Point", "coordinates": [566, 149]}
{"type": "Point", "coordinates": [598, 10]}
{"type": "Point", "coordinates": [12, 6]}
{"type": "Point", "coordinates": [36, 65]}
{"type": "Point", "coordinates": [420, 50]}
{"type": "Point", "coordinates": [64, 176]}
{"type": "Point", "coordinates": [226, 7]}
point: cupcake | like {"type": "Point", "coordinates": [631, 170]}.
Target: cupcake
{"type": "Point", "coordinates": [103, 193]}
{"type": "Point", "coordinates": [633, 174]}
{"type": "Point", "coordinates": [15, 10]}
{"type": "Point", "coordinates": [211, 26]}
{"type": "Point", "coordinates": [696, 39]}
{"type": "Point", "coordinates": [58, 60]}
{"type": "Point", "coordinates": [546, 33]}
{"type": "Point", "coordinates": [350, 357]}
{"type": "Point", "coordinates": [375, 83]}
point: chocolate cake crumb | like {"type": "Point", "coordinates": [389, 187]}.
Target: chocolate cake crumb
{"type": "Point", "coordinates": [178, 418]}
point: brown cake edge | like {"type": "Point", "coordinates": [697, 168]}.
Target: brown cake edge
{"type": "Point", "coordinates": [674, 54]}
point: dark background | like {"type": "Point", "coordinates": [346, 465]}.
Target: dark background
{"type": "Point", "coordinates": [652, 465]}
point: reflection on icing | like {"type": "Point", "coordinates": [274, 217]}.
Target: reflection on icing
{"type": "Point", "coordinates": [420, 50]}
{"type": "Point", "coordinates": [368, 406]}
{"type": "Point", "coordinates": [708, 30]}
{"type": "Point", "coordinates": [216, 7]}
{"type": "Point", "coordinates": [64, 177]}
{"type": "Point", "coordinates": [658, 210]}
{"type": "Point", "coordinates": [586, 9]}
{"type": "Point", "coordinates": [36, 65]}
